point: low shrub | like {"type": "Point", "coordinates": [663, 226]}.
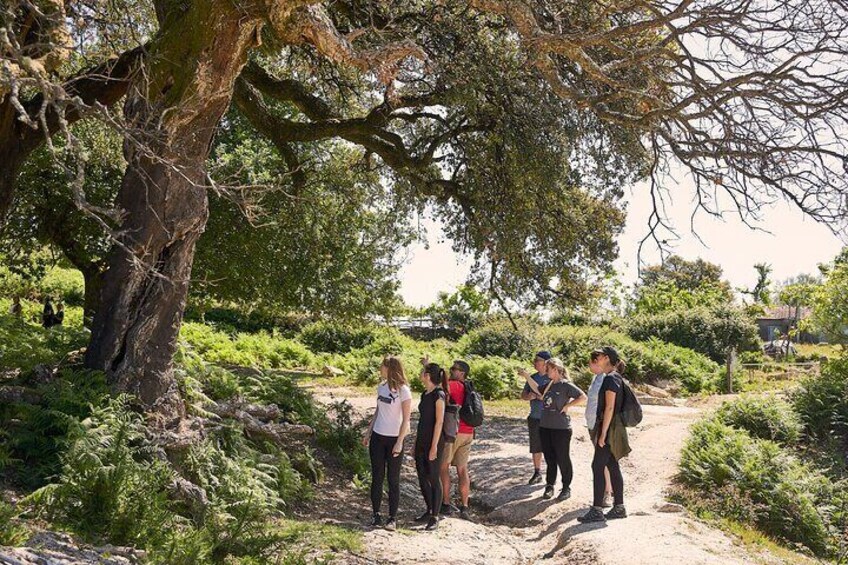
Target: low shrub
{"type": "Point", "coordinates": [64, 284]}
{"type": "Point", "coordinates": [262, 349]}
{"type": "Point", "coordinates": [37, 433]}
{"type": "Point", "coordinates": [12, 532]}
{"type": "Point", "coordinates": [763, 418]}
{"type": "Point", "coordinates": [495, 377]}
{"type": "Point", "coordinates": [331, 337]}
{"type": "Point", "coordinates": [652, 361]}
{"type": "Point", "coordinates": [709, 331]}
{"type": "Point", "coordinates": [236, 319]}
{"type": "Point", "coordinates": [24, 345]}
{"type": "Point", "coordinates": [500, 339]}
{"type": "Point", "coordinates": [822, 402]}
{"type": "Point", "coordinates": [783, 496]}
{"type": "Point", "coordinates": [341, 434]}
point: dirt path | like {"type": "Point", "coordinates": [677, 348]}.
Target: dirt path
{"type": "Point", "coordinates": [514, 525]}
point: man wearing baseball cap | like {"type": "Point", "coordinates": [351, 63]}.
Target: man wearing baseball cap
{"type": "Point", "coordinates": [533, 394]}
{"type": "Point", "coordinates": [458, 452]}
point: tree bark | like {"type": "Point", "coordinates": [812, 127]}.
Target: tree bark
{"type": "Point", "coordinates": [174, 105]}
{"type": "Point", "coordinates": [11, 156]}
{"type": "Point", "coordinates": [93, 281]}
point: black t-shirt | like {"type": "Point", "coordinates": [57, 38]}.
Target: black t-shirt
{"type": "Point", "coordinates": [427, 416]}
{"type": "Point", "coordinates": [612, 382]}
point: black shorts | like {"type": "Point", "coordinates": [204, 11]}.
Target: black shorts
{"type": "Point", "coordinates": [535, 438]}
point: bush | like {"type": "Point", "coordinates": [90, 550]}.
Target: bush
{"type": "Point", "coordinates": [37, 433]}
{"type": "Point", "coordinates": [24, 345]}
{"type": "Point", "coordinates": [822, 402]}
{"type": "Point", "coordinates": [500, 339]}
{"type": "Point", "coordinates": [64, 284]}
{"type": "Point", "coordinates": [710, 331]}
{"type": "Point", "coordinates": [250, 350]}
{"type": "Point", "coordinates": [11, 531]}
{"type": "Point", "coordinates": [763, 418]}
{"type": "Point", "coordinates": [650, 362]}
{"type": "Point", "coordinates": [783, 496]}
{"type": "Point", "coordinates": [494, 377]}
{"type": "Point", "coordinates": [330, 337]}
{"type": "Point", "coordinates": [114, 486]}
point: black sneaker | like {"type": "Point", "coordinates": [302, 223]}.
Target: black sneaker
{"type": "Point", "coordinates": [595, 514]}
{"type": "Point", "coordinates": [432, 524]}
{"type": "Point", "coordinates": [549, 492]}
{"type": "Point", "coordinates": [448, 509]}
{"type": "Point", "coordinates": [423, 518]}
{"type": "Point", "coordinates": [377, 520]}
{"type": "Point", "coordinates": [391, 524]}
{"type": "Point", "coordinates": [616, 513]}
{"type": "Point", "coordinates": [564, 494]}
{"type": "Point", "coordinates": [535, 479]}
{"type": "Point", "coordinates": [464, 513]}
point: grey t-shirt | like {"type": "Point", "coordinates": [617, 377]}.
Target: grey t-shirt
{"type": "Point", "coordinates": [556, 397]}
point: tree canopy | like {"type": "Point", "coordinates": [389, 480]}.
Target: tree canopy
{"type": "Point", "coordinates": [517, 123]}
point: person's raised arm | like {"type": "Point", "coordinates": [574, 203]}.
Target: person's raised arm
{"type": "Point", "coordinates": [609, 408]}
{"type": "Point", "coordinates": [406, 407]}
{"type": "Point", "coordinates": [437, 430]}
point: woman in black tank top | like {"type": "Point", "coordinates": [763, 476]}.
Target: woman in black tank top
{"type": "Point", "coordinates": [429, 442]}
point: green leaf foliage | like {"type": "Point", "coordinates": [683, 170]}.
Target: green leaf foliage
{"type": "Point", "coordinates": [822, 404]}
{"type": "Point", "coordinates": [712, 331]}
{"type": "Point", "coordinates": [764, 418]}
{"type": "Point", "coordinates": [756, 481]}
{"type": "Point", "coordinates": [649, 361]}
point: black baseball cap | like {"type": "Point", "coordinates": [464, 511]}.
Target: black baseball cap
{"type": "Point", "coordinates": [610, 352]}
{"type": "Point", "coordinates": [462, 366]}
{"type": "Point", "coordinates": [543, 355]}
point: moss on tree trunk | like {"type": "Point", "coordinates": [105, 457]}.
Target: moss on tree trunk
{"type": "Point", "coordinates": [174, 106]}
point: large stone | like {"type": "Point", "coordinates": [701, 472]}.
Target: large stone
{"type": "Point", "coordinates": [51, 548]}
{"type": "Point", "coordinates": [654, 391]}
{"type": "Point", "coordinates": [330, 371]}
{"type": "Point", "coordinates": [670, 508]}
{"type": "Point", "coordinates": [654, 401]}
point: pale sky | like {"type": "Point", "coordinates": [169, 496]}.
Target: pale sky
{"type": "Point", "coordinates": [795, 245]}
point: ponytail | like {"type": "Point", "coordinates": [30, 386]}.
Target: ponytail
{"type": "Point", "coordinates": [436, 374]}
{"type": "Point", "coordinates": [620, 367]}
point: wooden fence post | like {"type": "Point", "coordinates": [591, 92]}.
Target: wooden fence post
{"type": "Point", "coordinates": [729, 367]}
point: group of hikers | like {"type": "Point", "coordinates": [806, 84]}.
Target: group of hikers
{"type": "Point", "coordinates": [449, 414]}
{"type": "Point", "coordinates": [50, 316]}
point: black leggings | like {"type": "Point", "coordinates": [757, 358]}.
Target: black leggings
{"type": "Point", "coordinates": [380, 450]}
{"type": "Point", "coordinates": [604, 458]}
{"type": "Point", "coordinates": [429, 476]}
{"type": "Point", "coordinates": [556, 445]}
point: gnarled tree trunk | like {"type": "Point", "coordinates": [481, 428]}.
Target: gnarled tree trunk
{"type": "Point", "coordinates": [174, 104]}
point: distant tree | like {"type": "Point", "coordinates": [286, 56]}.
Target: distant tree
{"type": "Point", "coordinates": [678, 283]}
{"type": "Point", "coordinates": [462, 310]}
{"type": "Point", "coordinates": [686, 275]}
{"type": "Point", "coordinates": [761, 292]}
{"type": "Point", "coordinates": [830, 301]}
{"type": "Point", "coordinates": [799, 292]}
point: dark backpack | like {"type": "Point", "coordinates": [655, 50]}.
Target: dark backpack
{"type": "Point", "coordinates": [471, 411]}
{"type": "Point", "coordinates": [631, 409]}
{"type": "Point", "coordinates": [450, 426]}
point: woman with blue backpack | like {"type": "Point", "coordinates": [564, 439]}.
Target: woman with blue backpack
{"type": "Point", "coordinates": [609, 437]}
